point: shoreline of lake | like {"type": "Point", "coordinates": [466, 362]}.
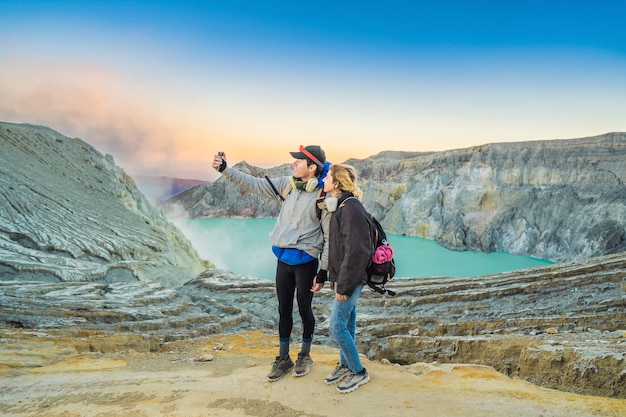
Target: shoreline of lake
{"type": "Point", "coordinates": [242, 246]}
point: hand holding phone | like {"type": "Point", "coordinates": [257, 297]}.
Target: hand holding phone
{"type": "Point", "coordinates": [222, 166]}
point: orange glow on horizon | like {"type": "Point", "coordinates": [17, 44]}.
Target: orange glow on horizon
{"type": "Point", "coordinates": [175, 132]}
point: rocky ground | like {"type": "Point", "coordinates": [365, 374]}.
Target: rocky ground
{"type": "Point", "coordinates": [559, 326]}
{"type": "Point", "coordinates": [95, 374]}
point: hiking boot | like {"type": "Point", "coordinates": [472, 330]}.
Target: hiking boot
{"type": "Point", "coordinates": [279, 368]}
{"type": "Point", "coordinates": [340, 372]}
{"type": "Point", "coordinates": [353, 382]}
{"type": "Point", "coordinates": [303, 365]}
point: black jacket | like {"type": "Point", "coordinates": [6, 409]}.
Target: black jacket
{"type": "Point", "coordinates": [349, 245]}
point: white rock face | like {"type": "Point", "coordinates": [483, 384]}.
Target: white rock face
{"type": "Point", "coordinates": [67, 213]}
{"type": "Point", "coordinates": [562, 200]}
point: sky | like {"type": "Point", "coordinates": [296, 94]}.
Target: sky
{"type": "Point", "coordinates": [163, 85]}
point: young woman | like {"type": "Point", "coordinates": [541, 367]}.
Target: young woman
{"type": "Point", "coordinates": [348, 257]}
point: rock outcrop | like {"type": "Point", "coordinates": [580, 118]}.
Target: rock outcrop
{"type": "Point", "coordinates": [68, 213]}
{"type": "Point", "coordinates": [560, 200]}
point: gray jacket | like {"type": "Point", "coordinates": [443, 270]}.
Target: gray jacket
{"type": "Point", "coordinates": [297, 225]}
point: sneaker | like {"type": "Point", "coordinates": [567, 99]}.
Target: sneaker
{"type": "Point", "coordinates": [279, 368]}
{"type": "Point", "coordinates": [303, 365]}
{"type": "Point", "coordinates": [353, 382]}
{"type": "Point", "coordinates": [340, 372]}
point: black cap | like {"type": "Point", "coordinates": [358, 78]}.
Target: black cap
{"type": "Point", "coordinates": [314, 150]}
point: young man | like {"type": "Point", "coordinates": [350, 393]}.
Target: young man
{"type": "Point", "coordinates": [298, 241]}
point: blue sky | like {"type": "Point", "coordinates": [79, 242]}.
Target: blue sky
{"type": "Point", "coordinates": [163, 85]}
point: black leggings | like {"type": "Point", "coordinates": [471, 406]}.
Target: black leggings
{"type": "Point", "coordinates": [288, 279]}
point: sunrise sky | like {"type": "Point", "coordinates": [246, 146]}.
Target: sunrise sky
{"type": "Point", "coordinates": [163, 85]}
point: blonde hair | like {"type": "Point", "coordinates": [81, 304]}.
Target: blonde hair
{"type": "Point", "coordinates": [345, 176]}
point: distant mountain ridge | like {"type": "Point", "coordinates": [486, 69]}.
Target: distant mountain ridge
{"type": "Point", "coordinates": [560, 200]}
{"type": "Point", "coordinates": [161, 188]}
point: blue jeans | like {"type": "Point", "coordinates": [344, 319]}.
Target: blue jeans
{"type": "Point", "coordinates": [343, 329]}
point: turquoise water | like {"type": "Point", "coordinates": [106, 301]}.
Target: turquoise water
{"type": "Point", "coordinates": [242, 246]}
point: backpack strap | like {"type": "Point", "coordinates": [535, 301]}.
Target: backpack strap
{"type": "Point", "coordinates": [282, 196]}
{"type": "Point", "coordinates": [286, 191]}
{"type": "Point", "coordinates": [319, 203]}
{"type": "Point", "coordinates": [343, 203]}
{"type": "Point", "coordinates": [381, 290]}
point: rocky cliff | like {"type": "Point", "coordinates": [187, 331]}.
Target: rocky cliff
{"type": "Point", "coordinates": [84, 256]}
{"type": "Point", "coordinates": [560, 200]}
{"type": "Point", "coordinates": [68, 213]}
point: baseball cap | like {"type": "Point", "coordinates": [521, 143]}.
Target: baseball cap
{"type": "Point", "coordinates": [315, 154]}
